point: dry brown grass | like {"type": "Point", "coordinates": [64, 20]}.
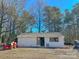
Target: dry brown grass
{"type": "Point", "coordinates": [39, 53]}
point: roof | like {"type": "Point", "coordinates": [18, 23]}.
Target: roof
{"type": "Point", "coordinates": [54, 34]}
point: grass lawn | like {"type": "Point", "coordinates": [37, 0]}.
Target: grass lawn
{"type": "Point", "coordinates": [39, 53]}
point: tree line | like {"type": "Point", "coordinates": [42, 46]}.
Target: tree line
{"type": "Point", "coordinates": [14, 19]}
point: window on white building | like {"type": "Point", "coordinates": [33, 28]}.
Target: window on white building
{"type": "Point", "coordinates": [54, 39]}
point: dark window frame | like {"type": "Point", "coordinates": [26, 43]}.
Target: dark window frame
{"type": "Point", "coordinates": [53, 39]}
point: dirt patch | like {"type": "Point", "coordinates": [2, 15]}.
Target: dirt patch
{"type": "Point", "coordinates": [39, 53]}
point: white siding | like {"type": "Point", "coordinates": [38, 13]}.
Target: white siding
{"type": "Point", "coordinates": [30, 40]}
{"type": "Point", "coordinates": [54, 44]}
{"type": "Point", "coordinates": [27, 42]}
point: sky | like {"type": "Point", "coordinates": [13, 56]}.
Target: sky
{"type": "Point", "coordinates": [62, 4]}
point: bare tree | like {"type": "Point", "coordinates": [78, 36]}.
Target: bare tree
{"type": "Point", "coordinates": [52, 19]}
{"type": "Point", "coordinates": [37, 11]}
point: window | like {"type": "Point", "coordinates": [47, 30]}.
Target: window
{"type": "Point", "coordinates": [55, 39]}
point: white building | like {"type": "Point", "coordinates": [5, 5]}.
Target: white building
{"type": "Point", "coordinates": [41, 40]}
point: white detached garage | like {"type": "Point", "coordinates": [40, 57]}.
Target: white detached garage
{"type": "Point", "coordinates": [41, 40]}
